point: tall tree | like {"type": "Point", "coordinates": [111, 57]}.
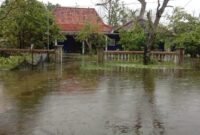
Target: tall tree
{"type": "Point", "coordinates": [152, 26]}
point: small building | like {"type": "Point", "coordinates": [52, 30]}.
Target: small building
{"type": "Point", "coordinates": [71, 20]}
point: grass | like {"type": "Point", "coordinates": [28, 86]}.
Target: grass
{"type": "Point", "coordinates": [91, 64]}
{"type": "Point", "coordinates": [7, 63]}
{"type": "Point", "coordinates": [113, 65]}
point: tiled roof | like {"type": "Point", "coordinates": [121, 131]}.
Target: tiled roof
{"type": "Point", "coordinates": [74, 19]}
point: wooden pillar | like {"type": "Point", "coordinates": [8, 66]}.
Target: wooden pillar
{"type": "Point", "coordinates": [83, 47]}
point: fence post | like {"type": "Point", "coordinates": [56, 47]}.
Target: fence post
{"type": "Point", "coordinates": [100, 55]}
{"type": "Point", "coordinates": [83, 48]}
{"type": "Point", "coordinates": [59, 53]}
{"type": "Point", "coordinates": [32, 57]}
{"type": "Point", "coordinates": [181, 53]}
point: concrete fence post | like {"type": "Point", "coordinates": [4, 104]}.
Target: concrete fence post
{"type": "Point", "coordinates": [59, 53]}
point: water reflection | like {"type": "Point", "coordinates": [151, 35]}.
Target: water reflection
{"type": "Point", "coordinates": [151, 107]}
{"type": "Point", "coordinates": [24, 91]}
{"type": "Point", "coordinates": [69, 100]}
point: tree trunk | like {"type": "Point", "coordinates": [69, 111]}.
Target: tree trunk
{"type": "Point", "coordinates": [148, 47]}
{"type": "Point", "coordinates": [20, 40]}
{"type": "Point", "coordinates": [151, 29]}
{"type": "Point", "coordinates": [146, 56]}
{"type": "Point", "coordinates": [143, 9]}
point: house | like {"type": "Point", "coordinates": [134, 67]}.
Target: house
{"type": "Point", "coordinates": [71, 20]}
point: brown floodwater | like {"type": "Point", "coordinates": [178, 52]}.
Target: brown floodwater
{"type": "Point", "coordinates": [68, 100]}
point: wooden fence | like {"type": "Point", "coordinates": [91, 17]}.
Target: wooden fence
{"type": "Point", "coordinates": [137, 56]}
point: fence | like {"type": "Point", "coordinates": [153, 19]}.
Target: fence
{"type": "Point", "coordinates": [137, 56]}
{"type": "Point", "coordinates": [36, 54]}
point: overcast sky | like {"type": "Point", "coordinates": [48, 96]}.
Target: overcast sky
{"type": "Point", "coordinates": [191, 6]}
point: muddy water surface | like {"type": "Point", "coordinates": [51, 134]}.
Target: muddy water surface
{"type": "Point", "coordinates": [73, 101]}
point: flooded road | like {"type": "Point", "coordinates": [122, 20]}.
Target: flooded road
{"type": "Point", "coordinates": [68, 100]}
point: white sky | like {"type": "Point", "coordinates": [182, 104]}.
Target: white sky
{"type": "Point", "coordinates": [191, 6]}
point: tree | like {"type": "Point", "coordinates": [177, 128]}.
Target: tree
{"type": "Point", "coordinates": [152, 26]}
{"type": "Point", "coordinates": [164, 35]}
{"type": "Point", "coordinates": [30, 23]}
{"type": "Point", "coordinates": [4, 13]}
{"type": "Point", "coordinates": [133, 39]}
{"type": "Point", "coordinates": [116, 12]}
{"type": "Point", "coordinates": [126, 15]}
{"type": "Point", "coordinates": [90, 34]}
{"type": "Point", "coordinates": [186, 29]}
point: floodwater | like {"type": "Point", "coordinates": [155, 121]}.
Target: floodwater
{"type": "Point", "coordinates": [67, 100]}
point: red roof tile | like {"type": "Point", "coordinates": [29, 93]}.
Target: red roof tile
{"type": "Point", "coordinates": [73, 19]}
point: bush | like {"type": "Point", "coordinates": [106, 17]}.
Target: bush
{"type": "Point", "coordinates": [10, 62]}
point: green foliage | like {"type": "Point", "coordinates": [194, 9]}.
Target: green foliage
{"type": "Point", "coordinates": [163, 34]}
{"type": "Point", "coordinates": [133, 39]}
{"type": "Point", "coordinates": [27, 24]}
{"type": "Point", "coordinates": [92, 36]}
{"type": "Point", "coordinates": [186, 29]}
{"type": "Point", "coordinates": [10, 62]}
{"type": "Point", "coordinates": [127, 66]}
{"type": "Point", "coordinates": [87, 32]}
{"type": "Point", "coordinates": [181, 21]}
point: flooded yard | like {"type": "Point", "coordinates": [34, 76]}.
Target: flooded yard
{"type": "Point", "coordinates": [68, 100]}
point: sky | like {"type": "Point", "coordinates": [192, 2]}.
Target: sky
{"type": "Point", "coordinates": [191, 6]}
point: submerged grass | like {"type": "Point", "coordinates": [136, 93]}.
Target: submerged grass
{"type": "Point", "coordinates": [7, 63]}
{"type": "Point", "coordinates": [10, 62]}
{"type": "Point", "coordinates": [113, 65]}
{"type": "Point", "coordinates": [91, 64]}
